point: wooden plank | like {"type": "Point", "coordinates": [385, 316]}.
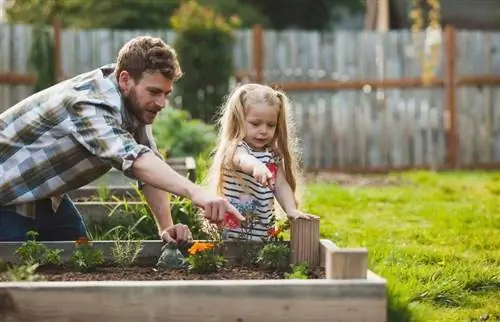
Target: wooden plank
{"type": "Point", "coordinates": [17, 79]}
{"type": "Point", "coordinates": [150, 252]}
{"type": "Point", "coordinates": [186, 301]}
{"type": "Point", "coordinates": [344, 263]}
{"type": "Point", "coordinates": [304, 236]}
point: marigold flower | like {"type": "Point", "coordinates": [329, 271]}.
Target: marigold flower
{"type": "Point", "coordinates": [82, 241]}
{"type": "Point", "coordinates": [274, 232]}
{"type": "Point", "coordinates": [199, 247]}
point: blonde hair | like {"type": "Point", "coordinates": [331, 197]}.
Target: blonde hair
{"type": "Point", "coordinates": [231, 132]}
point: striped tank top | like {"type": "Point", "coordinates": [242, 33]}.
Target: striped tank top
{"type": "Point", "coordinates": [241, 190]}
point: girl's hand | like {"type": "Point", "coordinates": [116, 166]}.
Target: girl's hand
{"type": "Point", "coordinates": [263, 175]}
{"type": "Point", "coordinates": [296, 214]}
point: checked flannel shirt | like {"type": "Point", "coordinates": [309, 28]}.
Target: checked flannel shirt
{"type": "Point", "coordinates": [65, 137]}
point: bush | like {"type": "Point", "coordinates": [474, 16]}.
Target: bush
{"type": "Point", "coordinates": [182, 136]}
{"type": "Point", "coordinates": [204, 44]}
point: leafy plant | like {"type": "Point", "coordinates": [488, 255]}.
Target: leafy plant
{"type": "Point", "coordinates": [181, 135]}
{"type": "Point", "coordinates": [298, 272]}
{"type": "Point", "coordinates": [33, 252]}
{"type": "Point", "coordinates": [204, 258]}
{"type": "Point", "coordinates": [204, 44]}
{"type": "Point", "coordinates": [275, 254]}
{"type": "Point", "coordinates": [85, 257]}
{"type": "Point", "coordinates": [24, 273]}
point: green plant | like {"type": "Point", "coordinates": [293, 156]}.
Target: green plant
{"type": "Point", "coordinates": [275, 254]}
{"type": "Point", "coordinates": [41, 59]}
{"type": "Point", "coordinates": [181, 135]}
{"type": "Point", "coordinates": [125, 251]}
{"type": "Point", "coordinates": [204, 44]}
{"type": "Point", "coordinates": [4, 266]}
{"type": "Point", "coordinates": [24, 273]}
{"type": "Point", "coordinates": [298, 272]}
{"type": "Point", "coordinates": [204, 258]}
{"type": "Point", "coordinates": [33, 252]}
{"type": "Point", "coordinates": [85, 257]}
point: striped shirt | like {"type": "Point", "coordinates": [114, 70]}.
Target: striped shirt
{"type": "Point", "coordinates": [65, 137]}
{"type": "Point", "coordinates": [239, 187]}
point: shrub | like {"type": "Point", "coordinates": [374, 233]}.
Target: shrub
{"type": "Point", "coordinates": [181, 135]}
{"type": "Point", "coordinates": [204, 44]}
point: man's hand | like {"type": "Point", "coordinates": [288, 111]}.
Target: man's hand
{"type": "Point", "coordinates": [178, 233]}
{"type": "Point", "coordinates": [215, 207]}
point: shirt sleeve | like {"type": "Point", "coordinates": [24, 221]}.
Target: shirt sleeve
{"type": "Point", "coordinates": [99, 131]}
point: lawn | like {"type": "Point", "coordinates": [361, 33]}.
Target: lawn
{"type": "Point", "coordinates": [434, 237]}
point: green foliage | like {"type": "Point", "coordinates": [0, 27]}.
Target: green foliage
{"type": "Point", "coordinates": [85, 257]}
{"type": "Point", "coordinates": [298, 272]}
{"type": "Point", "coordinates": [204, 44]}
{"type": "Point", "coordinates": [274, 256]}
{"type": "Point", "coordinates": [41, 60]}
{"type": "Point", "coordinates": [433, 236]}
{"type": "Point", "coordinates": [181, 135]}
{"type": "Point", "coordinates": [135, 221]}
{"type": "Point", "coordinates": [128, 15]}
{"type": "Point", "coordinates": [32, 252]}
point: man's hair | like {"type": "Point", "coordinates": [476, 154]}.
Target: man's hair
{"type": "Point", "coordinates": [148, 54]}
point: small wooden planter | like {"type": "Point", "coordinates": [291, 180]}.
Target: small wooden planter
{"type": "Point", "coordinates": [349, 293]}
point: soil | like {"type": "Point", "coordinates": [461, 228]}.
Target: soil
{"type": "Point", "coordinates": [149, 273]}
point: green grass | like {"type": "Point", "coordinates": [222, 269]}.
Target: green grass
{"type": "Point", "coordinates": [435, 238]}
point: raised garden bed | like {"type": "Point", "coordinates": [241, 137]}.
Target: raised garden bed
{"type": "Point", "coordinates": [339, 287]}
{"type": "Point", "coordinates": [98, 210]}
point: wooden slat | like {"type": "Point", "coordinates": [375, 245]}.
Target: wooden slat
{"type": "Point", "coordinates": [187, 301]}
{"type": "Point", "coordinates": [356, 84]}
{"type": "Point", "coordinates": [17, 79]}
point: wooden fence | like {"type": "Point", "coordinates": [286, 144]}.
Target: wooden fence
{"type": "Point", "coordinates": [359, 101]}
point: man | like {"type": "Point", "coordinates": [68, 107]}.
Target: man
{"type": "Point", "coordinates": [68, 135]}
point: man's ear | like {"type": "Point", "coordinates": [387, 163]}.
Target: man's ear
{"type": "Point", "coordinates": [125, 81]}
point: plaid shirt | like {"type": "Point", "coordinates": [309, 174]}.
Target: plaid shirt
{"type": "Point", "coordinates": [65, 137]}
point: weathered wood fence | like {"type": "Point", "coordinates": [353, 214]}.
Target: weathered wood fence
{"type": "Point", "coordinates": [359, 100]}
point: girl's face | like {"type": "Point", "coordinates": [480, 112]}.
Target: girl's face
{"type": "Point", "coordinates": [260, 125]}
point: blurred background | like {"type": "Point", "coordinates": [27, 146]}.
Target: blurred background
{"type": "Point", "coordinates": [376, 85]}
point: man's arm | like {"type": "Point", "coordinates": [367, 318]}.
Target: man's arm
{"type": "Point", "coordinates": [159, 204]}
{"type": "Point", "coordinates": [100, 133]}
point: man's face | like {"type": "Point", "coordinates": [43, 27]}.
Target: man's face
{"type": "Point", "coordinates": [146, 98]}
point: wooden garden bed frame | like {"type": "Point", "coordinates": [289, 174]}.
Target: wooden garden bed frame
{"type": "Point", "coordinates": [350, 292]}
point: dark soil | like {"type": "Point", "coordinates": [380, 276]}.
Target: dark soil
{"type": "Point", "coordinates": [150, 273]}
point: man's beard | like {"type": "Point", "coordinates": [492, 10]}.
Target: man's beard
{"type": "Point", "coordinates": [132, 103]}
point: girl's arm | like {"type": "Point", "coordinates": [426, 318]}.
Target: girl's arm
{"type": "Point", "coordinates": [284, 194]}
{"type": "Point", "coordinates": [252, 166]}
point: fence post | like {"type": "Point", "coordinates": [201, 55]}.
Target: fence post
{"type": "Point", "coordinates": [56, 27]}
{"type": "Point", "coordinates": [450, 97]}
{"type": "Point", "coordinates": [258, 53]}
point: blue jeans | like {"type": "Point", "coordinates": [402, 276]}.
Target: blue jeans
{"type": "Point", "coordinates": [64, 225]}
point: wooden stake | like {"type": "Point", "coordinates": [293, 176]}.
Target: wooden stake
{"type": "Point", "coordinates": [304, 235]}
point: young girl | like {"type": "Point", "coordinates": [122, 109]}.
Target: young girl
{"type": "Point", "coordinates": [254, 161]}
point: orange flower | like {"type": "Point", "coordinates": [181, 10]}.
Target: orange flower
{"type": "Point", "coordinates": [274, 232]}
{"type": "Point", "coordinates": [199, 247]}
{"type": "Point", "coordinates": [82, 241]}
